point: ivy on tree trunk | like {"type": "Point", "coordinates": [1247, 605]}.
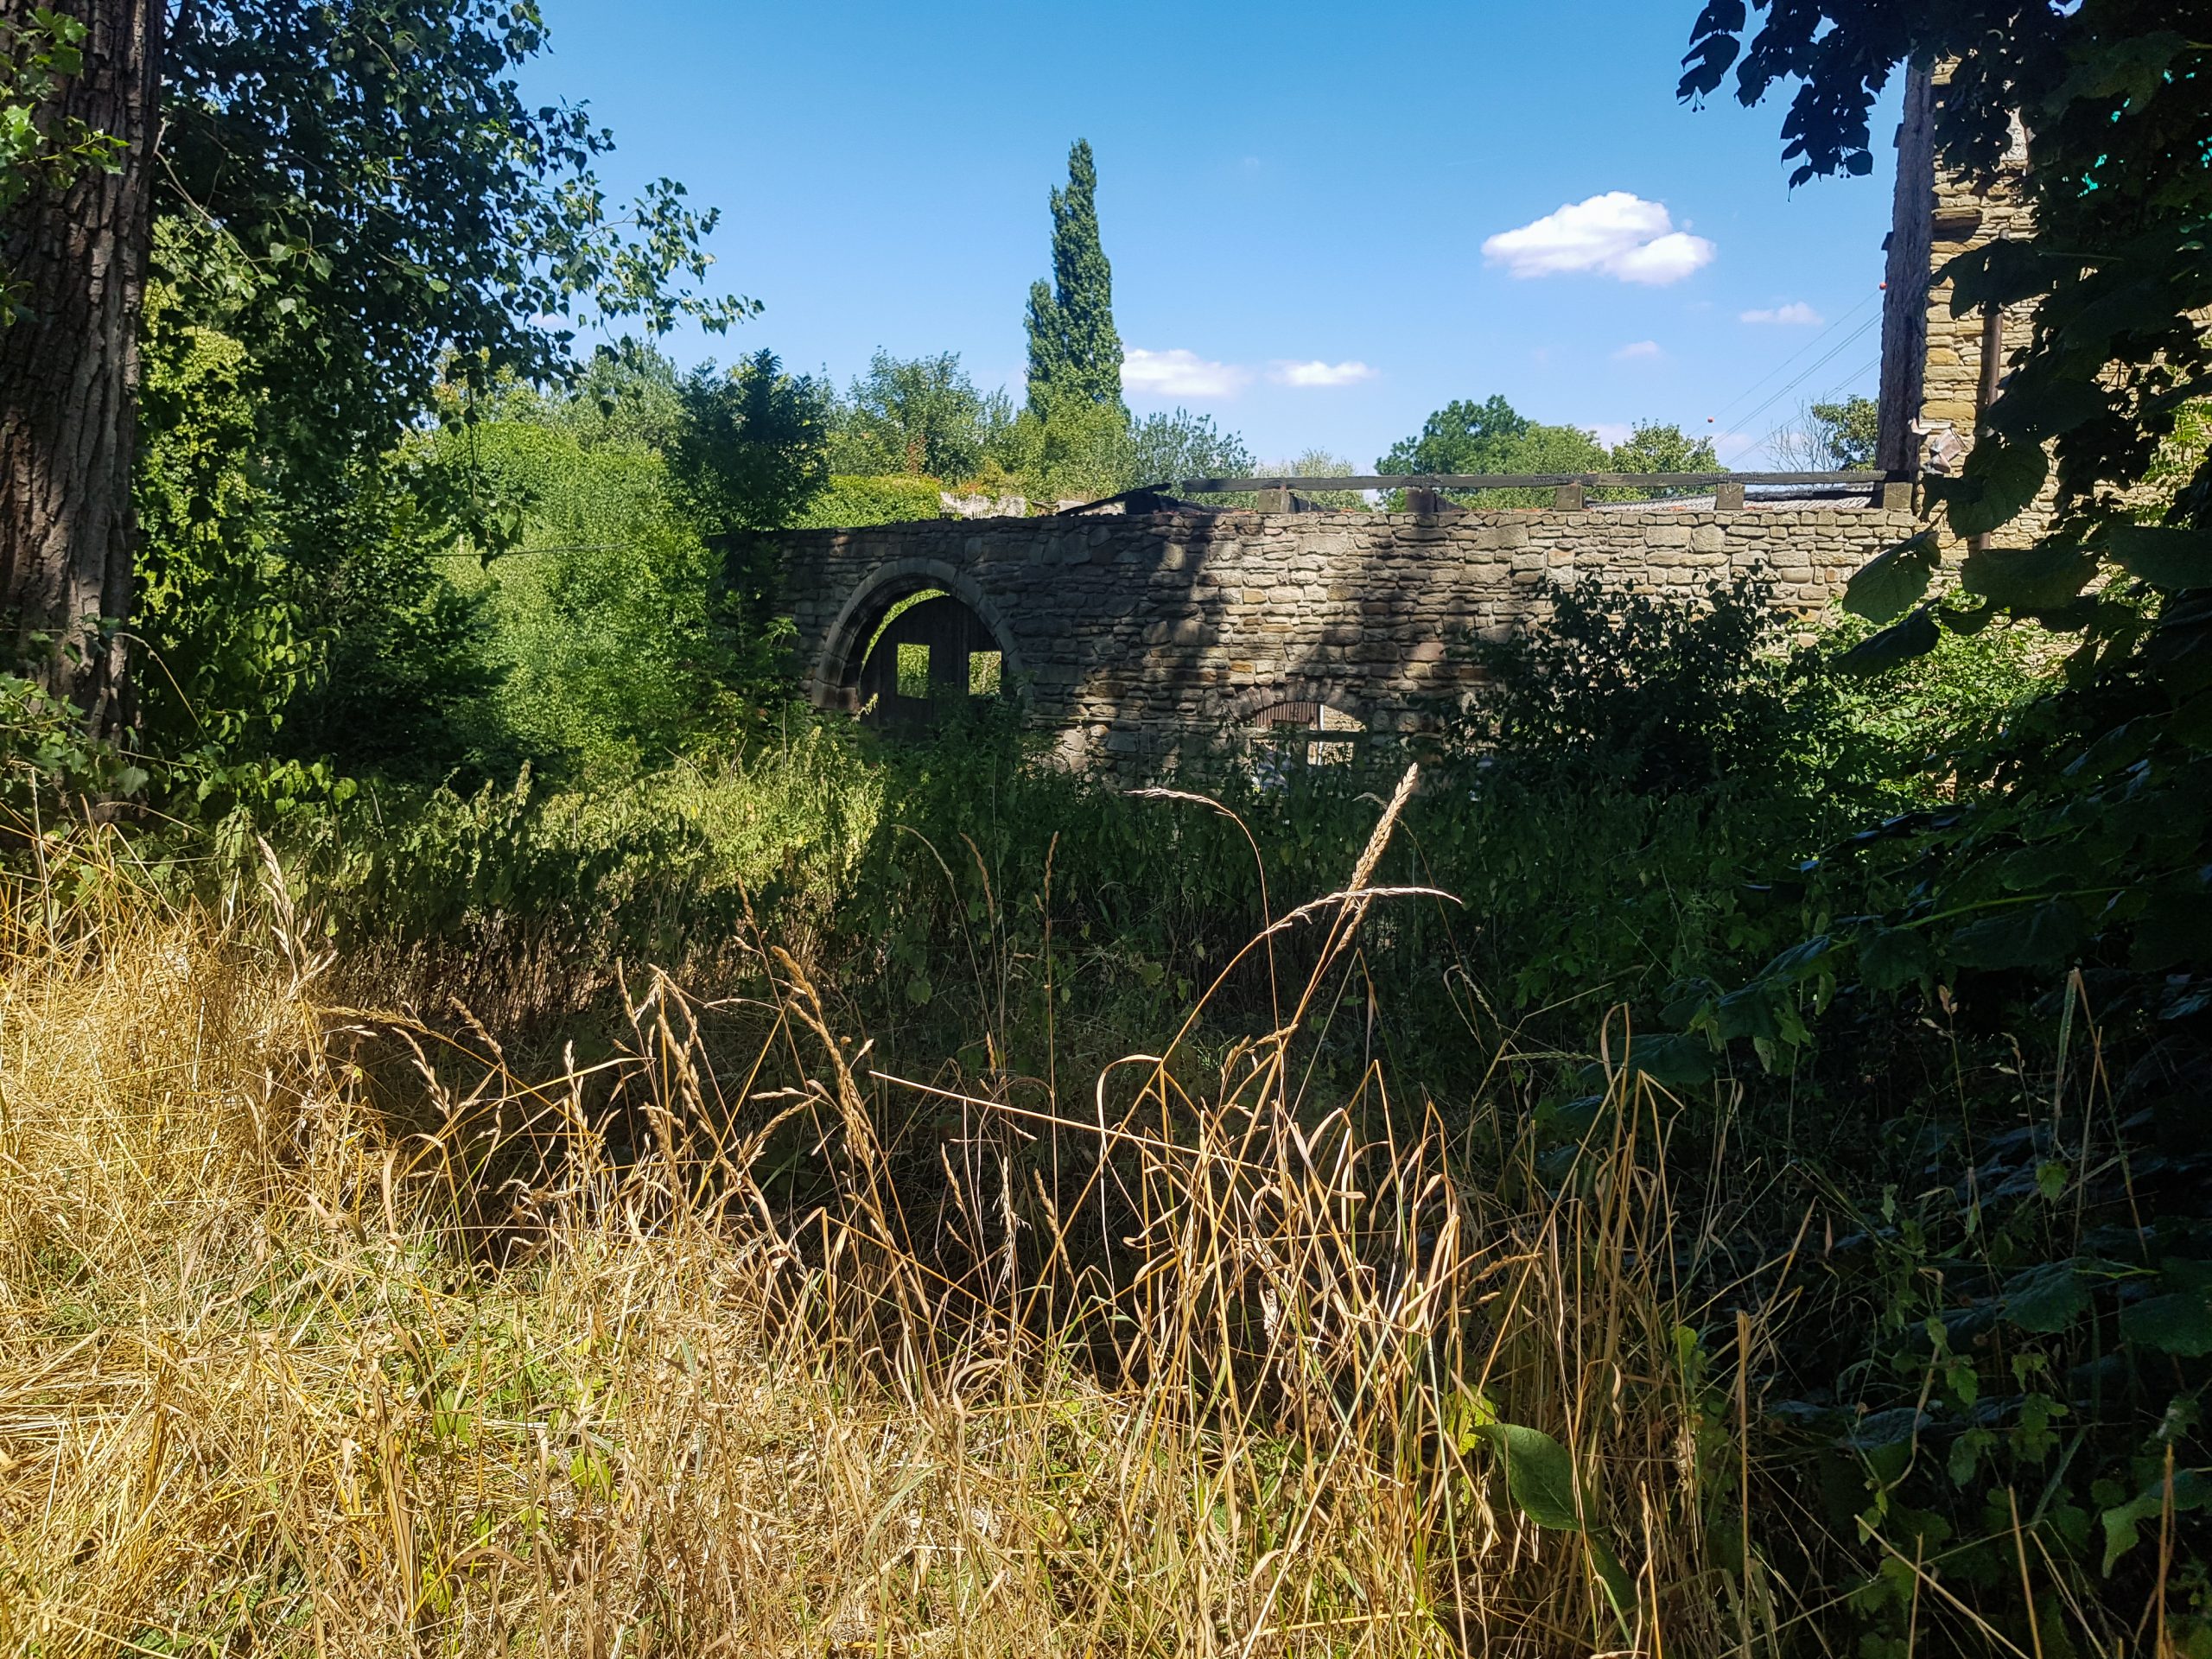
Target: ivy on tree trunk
{"type": "Point", "coordinates": [69, 372]}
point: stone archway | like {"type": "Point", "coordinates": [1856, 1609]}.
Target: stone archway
{"type": "Point", "coordinates": [913, 635]}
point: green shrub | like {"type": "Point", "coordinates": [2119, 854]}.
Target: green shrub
{"type": "Point", "coordinates": [1653, 694]}
{"type": "Point", "coordinates": [893, 499]}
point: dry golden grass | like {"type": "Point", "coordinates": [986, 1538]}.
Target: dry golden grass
{"type": "Point", "coordinates": [284, 1370]}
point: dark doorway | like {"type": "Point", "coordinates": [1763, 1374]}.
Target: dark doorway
{"type": "Point", "coordinates": [932, 653]}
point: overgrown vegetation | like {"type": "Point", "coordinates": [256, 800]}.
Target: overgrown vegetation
{"type": "Point", "coordinates": [519, 1135]}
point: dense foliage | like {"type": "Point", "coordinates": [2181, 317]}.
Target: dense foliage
{"type": "Point", "coordinates": [2049, 1313]}
{"type": "Point", "coordinates": [1492, 436]}
{"type": "Point", "coordinates": [474, 644]}
{"type": "Point", "coordinates": [920, 416]}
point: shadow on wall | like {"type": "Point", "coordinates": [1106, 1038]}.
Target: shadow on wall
{"type": "Point", "coordinates": [1143, 639]}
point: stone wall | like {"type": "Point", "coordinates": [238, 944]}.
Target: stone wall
{"type": "Point", "coordinates": [1140, 638]}
{"type": "Point", "coordinates": [1938, 369]}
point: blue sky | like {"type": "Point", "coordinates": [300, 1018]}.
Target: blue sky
{"type": "Point", "coordinates": [1322, 224]}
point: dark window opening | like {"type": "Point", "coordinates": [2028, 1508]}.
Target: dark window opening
{"type": "Point", "coordinates": [930, 651]}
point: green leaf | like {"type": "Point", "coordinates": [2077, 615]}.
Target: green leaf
{"type": "Point", "coordinates": [1800, 959]}
{"type": "Point", "coordinates": [1899, 643]}
{"type": "Point", "coordinates": [2039, 578]}
{"type": "Point", "coordinates": [919, 991]}
{"type": "Point", "coordinates": [2000, 479]}
{"type": "Point", "coordinates": [1890, 958]}
{"type": "Point", "coordinates": [1893, 583]}
{"type": "Point", "coordinates": [2047, 1298]}
{"type": "Point", "coordinates": [1539, 1475]}
{"type": "Point", "coordinates": [2028, 935]}
{"type": "Point", "coordinates": [2122, 67]}
{"type": "Point", "coordinates": [1672, 1060]}
{"type": "Point", "coordinates": [1540, 1478]}
{"type": "Point", "coordinates": [1620, 1589]}
{"type": "Point", "coordinates": [2123, 1523]}
{"type": "Point", "coordinates": [2162, 557]}
{"type": "Point", "coordinates": [2041, 404]}
{"type": "Point", "coordinates": [2178, 1323]}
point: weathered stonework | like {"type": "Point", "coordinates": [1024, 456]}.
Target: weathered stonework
{"type": "Point", "coordinates": [1143, 638]}
{"type": "Point", "coordinates": [1940, 371]}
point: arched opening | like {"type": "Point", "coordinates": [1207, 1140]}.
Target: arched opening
{"type": "Point", "coordinates": [928, 654]}
{"type": "Point", "coordinates": [1303, 733]}
{"type": "Point", "coordinates": [956, 646]}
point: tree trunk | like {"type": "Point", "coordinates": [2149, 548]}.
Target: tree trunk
{"type": "Point", "coordinates": [69, 375]}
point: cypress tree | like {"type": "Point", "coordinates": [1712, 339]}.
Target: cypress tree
{"type": "Point", "coordinates": [1073, 347]}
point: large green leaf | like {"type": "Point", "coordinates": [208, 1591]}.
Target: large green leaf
{"type": "Point", "coordinates": [2164, 557]}
{"type": "Point", "coordinates": [2030, 578]}
{"type": "Point", "coordinates": [2179, 1322]}
{"type": "Point", "coordinates": [1899, 643]}
{"type": "Point", "coordinates": [2047, 1298]}
{"type": "Point", "coordinates": [1540, 1478]}
{"type": "Point", "coordinates": [1890, 958]}
{"type": "Point", "coordinates": [1672, 1060]}
{"type": "Point", "coordinates": [2043, 402]}
{"type": "Point", "coordinates": [2027, 935]}
{"type": "Point", "coordinates": [2123, 1523]}
{"type": "Point", "coordinates": [1893, 583]}
{"type": "Point", "coordinates": [1539, 1475]}
{"type": "Point", "coordinates": [2001, 477]}
{"type": "Point", "coordinates": [2120, 66]}
{"type": "Point", "coordinates": [2002, 272]}
{"type": "Point", "coordinates": [1620, 1589]}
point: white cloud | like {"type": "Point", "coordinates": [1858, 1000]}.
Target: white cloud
{"type": "Point", "coordinates": [1796, 314]}
{"type": "Point", "coordinates": [1320, 374]}
{"type": "Point", "coordinates": [1618, 233]}
{"type": "Point", "coordinates": [1178, 374]}
{"type": "Point", "coordinates": [1635, 349]}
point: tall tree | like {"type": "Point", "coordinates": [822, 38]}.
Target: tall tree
{"type": "Point", "coordinates": [1463, 436]}
{"type": "Point", "coordinates": [1073, 348]}
{"type": "Point", "coordinates": [1492, 436]}
{"type": "Point", "coordinates": [355, 193]}
{"type": "Point", "coordinates": [73, 244]}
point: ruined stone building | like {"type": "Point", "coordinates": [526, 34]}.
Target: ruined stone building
{"type": "Point", "coordinates": [1140, 639]}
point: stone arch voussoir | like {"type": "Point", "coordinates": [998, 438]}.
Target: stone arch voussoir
{"type": "Point", "coordinates": [1239, 712]}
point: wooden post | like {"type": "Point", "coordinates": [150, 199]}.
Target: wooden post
{"type": "Point", "coordinates": [1567, 499]}
{"type": "Point", "coordinates": [1421, 500]}
{"type": "Point", "coordinates": [1728, 497]}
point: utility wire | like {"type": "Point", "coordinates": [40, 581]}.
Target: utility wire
{"type": "Point", "coordinates": [1806, 373]}
{"type": "Point", "coordinates": [1872, 362]}
{"type": "Point", "coordinates": [1726, 410]}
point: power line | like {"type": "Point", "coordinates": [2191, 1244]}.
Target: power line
{"type": "Point", "coordinates": [1838, 386]}
{"type": "Point", "coordinates": [1725, 411]}
{"type": "Point", "coordinates": [1810, 369]}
